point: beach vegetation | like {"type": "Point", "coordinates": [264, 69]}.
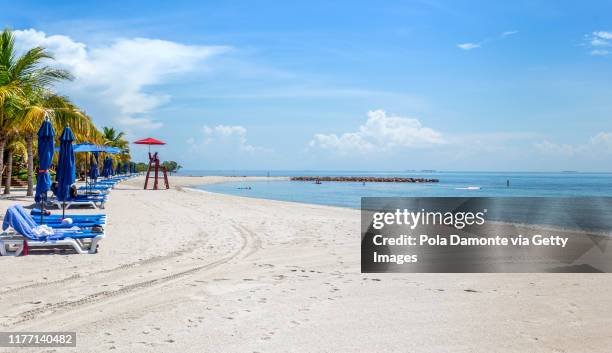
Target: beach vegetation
{"type": "Point", "coordinates": [171, 166]}
{"type": "Point", "coordinates": [27, 97]}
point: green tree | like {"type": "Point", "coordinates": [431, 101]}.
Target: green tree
{"type": "Point", "coordinates": [14, 146]}
{"type": "Point", "coordinates": [62, 112]}
{"type": "Point", "coordinates": [141, 167]}
{"type": "Point", "coordinates": [114, 138]}
{"type": "Point", "coordinates": [20, 75]}
{"type": "Point", "coordinates": [171, 166]}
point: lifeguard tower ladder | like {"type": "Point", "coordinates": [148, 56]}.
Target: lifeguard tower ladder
{"type": "Point", "coordinates": [154, 165]}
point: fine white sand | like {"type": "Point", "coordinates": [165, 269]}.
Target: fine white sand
{"type": "Point", "coordinates": [190, 271]}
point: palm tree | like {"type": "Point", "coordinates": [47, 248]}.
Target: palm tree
{"type": "Point", "coordinates": [117, 139]}
{"type": "Point", "coordinates": [45, 104]}
{"type": "Point", "coordinates": [114, 138]}
{"type": "Point", "coordinates": [20, 75]}
{"type": "Point", "coordinates": [14, 146]}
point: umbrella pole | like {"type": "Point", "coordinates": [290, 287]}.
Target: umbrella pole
{"type": "Point", "coordinates": [42, 210]}
{"type": "Point", "coordinates": [63, 209]}
{"type": "Point", "coordinates": [86, 173]}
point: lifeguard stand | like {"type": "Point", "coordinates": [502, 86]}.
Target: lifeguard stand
{"type": "Point", "coordinates": [154, 165]}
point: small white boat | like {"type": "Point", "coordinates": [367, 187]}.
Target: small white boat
{"type": "Point", "coordinates": [469, 188]}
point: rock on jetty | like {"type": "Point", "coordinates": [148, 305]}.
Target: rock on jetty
{"type": "Point", "coordinates": [364, 179]}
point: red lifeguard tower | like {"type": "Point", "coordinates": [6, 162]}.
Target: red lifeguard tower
{"type": "Point", "coordinates": [154, 163]}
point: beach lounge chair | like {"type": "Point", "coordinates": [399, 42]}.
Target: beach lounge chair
{"type": "Point", "coordinates": [35, 212]}
{"type": "Point", "coordinates": [56, 221]}
{"type": "Point", "coordinates": [94, 201]}
{"type": "Point", "coordinates": [91, 191]}
{"type": "Point", "coordinates": [12, 243]}
{"type": "Point", "coordinates": [97, 186]}
{"type": "Point", "coordinates": [103, 185]}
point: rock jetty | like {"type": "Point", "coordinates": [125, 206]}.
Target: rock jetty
{"type": "Point", "coordinates": [364, 179]}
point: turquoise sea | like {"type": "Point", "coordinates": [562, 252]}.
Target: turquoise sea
{"type": "Point", "coordinates": [455, 184]}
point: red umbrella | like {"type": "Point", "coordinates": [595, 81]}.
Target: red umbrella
{"type": "Point", "coordinates": [149, 141]}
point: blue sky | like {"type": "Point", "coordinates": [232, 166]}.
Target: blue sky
{"type": "Point", "coordinates": [448, 85]}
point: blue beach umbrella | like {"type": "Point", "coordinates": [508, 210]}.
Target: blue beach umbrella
{"type": "Point", "coordinates": [65, 167]}
{"type": "Point", "coordinates": [118, 169]}
{"type": "Point", "coordinates": [45, 155]}
{"type": "Point", "coordinates": [93, 172]}
{"type": "Point", "coordinates": [105, 167]}
{"type": "Point", "coordinates": [103, 172]}
{"type": "Point", "coordinates": [125, 168]}
{"type": "Point", "coordinates": [109, 168]}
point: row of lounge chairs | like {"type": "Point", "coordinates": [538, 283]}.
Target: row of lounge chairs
{"type": "Point", "coordinates": [22, 231]}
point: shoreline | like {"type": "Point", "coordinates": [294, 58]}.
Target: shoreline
{"type": "Point", "coordinates": [193, 271]}
{"type": "Point", "coordinates": [534, 226]}
{"type": "Point", "coordinates": [364, 179]}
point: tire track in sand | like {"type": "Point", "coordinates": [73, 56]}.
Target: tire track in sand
{"type": "Point", "coordinates": [189, 248]}
{"type": "Point", "coordinates": [249, 246]}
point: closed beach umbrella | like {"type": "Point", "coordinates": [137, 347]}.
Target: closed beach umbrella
{"type": "Point", "coordinates": [65, 167]}
{"type": "Point", "coordinates": [111, 169]}
{"type": "Point", "coordinates": [118, 169]}
{"type": "Point", "coordinates": [45, 155]}
{"type": "Point", "coordinates": [93, 173]}
{"type": "Point", "coordinates": [104, 164]}
{"type": "Point", "coordinates": [105, 172]}
{"type": "Point", "coordinates": [109, 172]}
{"type": "Point", "coordinates": [125, 168]}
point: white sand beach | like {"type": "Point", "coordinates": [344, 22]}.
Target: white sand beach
{"type": "Point", "coordinates": [188, 271]}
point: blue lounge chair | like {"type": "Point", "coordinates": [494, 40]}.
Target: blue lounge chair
{"type": "Point", "coordinates": [96, 187]}
{"type": "Point", "coordinates": [35, 213]}
{"type": "Point", "coordinates": [94, 201]}
{"type": "Point", "coordinates": [56, 221]}
{"type": "Point", "coordinates": [12, 243]}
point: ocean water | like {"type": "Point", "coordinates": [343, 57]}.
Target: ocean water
{"type": "Point", "coordinates": [452, 184]}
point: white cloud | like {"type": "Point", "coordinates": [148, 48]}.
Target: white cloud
{"type": "Point", "coordinates": [548, 147]}
{"type": "Point", "coordinates": [603, 34]}
{"type": "Point", "coordinates": [346, 143]}
{"type": "Point", "coordinates": [468, 46]}
{"type": "Point", "coordinates": [509, 33]}
{"type": "Point", "coordinates": [599, 52]}
{"type": "Point", "coordinates": [119, 73]}
{"type": "Point", "coordinates": [225, 135]}
{"type": "Point", "coordinates": [598, 40]}
{"type": "Point", "coordinates": [380, 133]}
{"type": "Point", "coordinates": [471, 45]}
{"type": "Point", "coordinates": [602, 141]}
{"type": "Point", "coordinates": [599, 144]}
